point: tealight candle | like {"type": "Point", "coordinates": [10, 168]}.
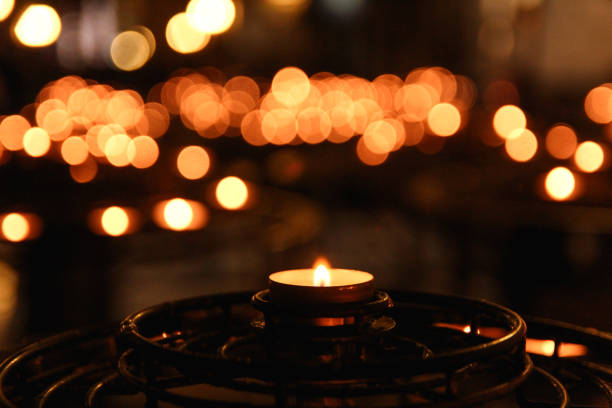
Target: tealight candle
{"type": "Point", "coordinates": [321, 285]}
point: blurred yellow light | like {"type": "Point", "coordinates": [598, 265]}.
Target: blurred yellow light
{"type": "Point", "coordinates": [521, 145]}
{"type": "Point", "coordinates": [508, 118]}
{"type": "Point", "coordinates": [130, 50]}
{"type": "Point", "coordinates": [38, 26]}
{"type": "Point", "coordinates": [15, 227]}
{"type": "Point", "coordinates": [193, 162]}
{"type": "Point", "coordinates": [232, 193]}
{"type": "Point", "coordinates": [589, 156]}
{"type": "Point", "coordinates": [178, 214]}
{"type": "Point", "coordinates": [182, 37]}
{"type": "Point", "coordinates": [598, 104]}
{"type": "Point", "coordinates": [6, 7]}
{"type": "Point", "coordinates": [116, 148]}
{"type": "Point", "coordinates": [444, 119]}
{"type": "Point", "coordinates": [36, 142]}
{"type": "Point", "coordinates": [211, 16]}
{"type": "Point", "coordinates": [115, 221]}
{"type": "Point", "coordinates": [74, 150]}
{"type": "Point", "coordinates": [559, 183]}
{"type": "Point", "coordinates": [561, 141]}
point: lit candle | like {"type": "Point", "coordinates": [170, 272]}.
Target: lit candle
{"type": "Point", "coordinates": [321, 285]}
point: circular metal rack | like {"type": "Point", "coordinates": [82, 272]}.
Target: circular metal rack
{"type": "Point", "coordinates": [398, 349]}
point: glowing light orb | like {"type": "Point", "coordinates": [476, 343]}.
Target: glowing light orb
{"type": "Point", "coordinates": [6, 8]}
{"type": "Point", "coordinates": [182, 37]}
{"type": "Point", "coordinates": [74, 150]}
{"type": "Point", "coordinates": [178, 214]}
{"type": "Point", "coordinates": [38, 26]}
{"type": "Point", "coordinates": [115, 221]}
{"type": "Point", "coordinates": [36, 142]}
{"type": "Point", "coordinates": [559, 183]}
{"type": "Point", "coordinates": [130, 50]}
{"type": "Point", "coordinates": [232, 193]}
{"type": "Point", "coordinates": [193, 162]}
{"type": "Point", "coordinates": [507, 119]}
{"type": "Point", "coordinates": [561, 141]}
{"type": "Point", "coordinates": [444, 119]}
{"type": "Point", "coordinates": [15, 227]}
{"type": "Point", "coordinates": [589, 156]}
{"type": "Point", "coordinates": [211, 16]}
{"type": "Point", "coordinates": [290, 86]}
{"type": "Point", "coordinates": [521, 145]}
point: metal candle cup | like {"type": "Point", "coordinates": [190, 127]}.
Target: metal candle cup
{"type": "Point", "coordinates": [321, 286]}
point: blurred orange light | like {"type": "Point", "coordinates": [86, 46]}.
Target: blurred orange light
{"type": "Point", "coordinates": [178, 214]}
{"type": "Point", "coordinates": [542, 347]}
{"type": "Point", "coordinates": [444, 119]}
{"type": "Point", "coordinates": [313, 125]}
{"type": "Point", "coordinates": [507, 119]}
{"type": "Point", "coordinates": [290, 86]}
{"type": "Point", "coordinates": [85, 172]}
{"type": "Point", "coordinates": [589, 156]}
{"type": "Point", "coordinates": [598, 104]}
{"type": "Point", "coordinates": [115, 150]}
{"type": "Point", "coordinates": [279, 126]}
{"type": "Point", "coordinates": [413, 102]}
{"type": "Point", "coordinates": [142, 152]}
{"type": "Point", "coordinates": [12, 130]}
{"type": "Point", "coordinates": [521, 145]}
{"type": "Point", "coordinates": [193, 162]}
{"type": "Point", "coordinates": [36, 142]}
{"type": "Point", "coordinates": [559, 183]}
{"type": "Point", "coordinates": [38, 26]}
{"type": "Point", "coordinates": [211, 16]}
{"type": "Point", "coordinates": [130, 50]}
{"type": "Point", "coordinates": [561, 141]}
{"type": "Point", "coordinates": [380, 137]}
{"type": "Point", "coordinates": [232, 193]}
{"type": "Point", "coordinates": [6, 7]}
{"type": "Point", "coordinates": [182, 37]}
{"type": "Point", "coordinates": [74, 150]}
{"type": "Point", "coordinates": [115, 221]}
{"type": "Point", "coordinates": [15, 227]}
{"type": "Point", "coordinates": [367, 156]}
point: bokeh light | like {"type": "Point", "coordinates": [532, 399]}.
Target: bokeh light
{"type": "Point", "coordinates": [182, 37]}
{"type": "Point", "coordinates": [12, 131]}
{"type": "Point", "coordinates": [130, 50]}
{"type": "Point", "coordinates": [507, 119]}
{"type": "Point", "coordinates": [598, 104]}
{"type": "Point", "coordinates": [444, 119]}
{"type": "Point", "coordinates": [193, 162]}
{"type": "Point", "coordinates": [115, 221]}
{"type": "Point", "coordinates": [6, 8]}
{"type": "Point", "coordinates": [74, 150]}
{"type": "Point", "coordinates": [36, 142]}
{"type": "Point", "coordinates": [178, 214]}
{"type": "Point", "coordinates": [84, 172]}
{"type": "Point", "coordinates": [15, 227]}
{"type": "Point", "coordinates": [38, 26]}
{"type": "Point", "coordinates": [561, 141]}
{"type": "Point", "coordinates": [232, 193]}
{"type": "Point", "coordinates": [559, 183]}
{"type": "Point", "coordinates": [290, 86]}
{"type": "Point", "coordinates": [211, 16]}
{"type": "Point", "coordinates": [142, 152]}
{"type": "Point", "coordinates": [589, 156]}
{"type": "Point", "coordinates": [521, 145]}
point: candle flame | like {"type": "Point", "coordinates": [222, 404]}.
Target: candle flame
{"type": "Point", "coordinates": [321, 273]}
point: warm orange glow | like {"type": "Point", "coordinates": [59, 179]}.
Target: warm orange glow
{"type": "Point", "coordinates": [115, 150]}
{"type": "Point", "coordinates": [36, 142]}
{"type": "Point", "coordinates": [232, 193]}
{"type": "Point", "coordinates": [572, 350]}
{"type": "Point", "coordinates": [313, 125]}
{"type": "Point", "coordinates": [142, 152]}
{"type": "Point", "coordinates": [380, 137]}
{"type": "Point", "coordinates": [12, 130]}
{"type": "Point", "coordinates": [182, 37]}
{"type": "Point", "coordinates": [598, 104]}
{"type": "Point", "coordinates": [589, 156]}
{"type": "Point", "coordinates": [38, 26]}
{"type": "Point", "coordinates": [250, 127]}
{"type": "Point", "coordinates": [130, 50]}
{"type": "Point", "coordinates": [85, 172]}
{"type": "Point", "coordinates": [74, 150]}
{"type": "Point", "coordinates": [193, 162]}
{"type": "Point", "coordinates": [279, 126]}
{"type": "Point", "coordinates": [321, 276]}
{"type": "Point", "coordinates": [561, 141]}
{"type": "Point", "coordinates": [454, 326]}
{"type": "Point", "coordinates": [542, 347]}
{"type": "Point", "coordinates": [521, 145]}
{"type": "Point", "coordinates": [211, 16]}
{"type": "Point", "coordinates": [15, 227]}
{"type": "Point", "coordinates": [179, 214]}
{"type": "Point", "coordinates": [6, 7]}
{"type": "Point", "coordinates": [444, 119]}
{"type": "Point", "coordinates": [290, 86]}
{"type": "Point", "coordinates": [115, 221]}
{"type": "Point", "coordinates": [413, 102]}
{"type": "Point", "coordinates": [559, 183]}
{"type": "Point", "coordinates": [367, 156]}
{"type": "Point", "coordinates": [507, 119]}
